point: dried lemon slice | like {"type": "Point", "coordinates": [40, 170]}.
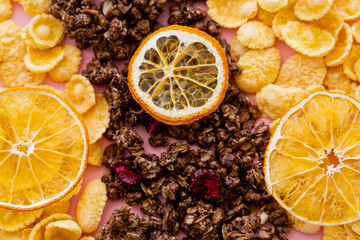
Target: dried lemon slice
{"type": "Point", "coordinates": [5, 10]}
{"type": "Point", "coordinates": [350, 9]}
{"type": "Point", "coordinates": [308, 39]}
{"type": "Point", "coordinates": [281, 18]}
{"type": "Point", "coordinates": [310, 10]}
{"type": "Point", "coordinates": [46, 31]}
{"type": "Point", "coordinates": [355, 29]}
{"type": "Point", "coordinates": [272, 5]}
{"type": "Point", "coordinates": [232, 14]}
{"type": "Point", "coordinates": [178, 75]}
{"type": "Point", "coordinates": [41, 61]}
{"type": "Point", "coordinates": [11, 220]}
{"type": "Point", "coordinates": [342, 47]}
{"type": "Point", "coordinates": [350, 61]}
{"type": "Point", "coordinates": [256, 35]}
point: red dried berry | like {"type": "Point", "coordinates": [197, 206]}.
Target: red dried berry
{"type": "Point", "coordinates": [205, 184]}
{"type": "Point", "coordinates": [126, 176]}
{"type": "Point", "coordinates": [153, 125]}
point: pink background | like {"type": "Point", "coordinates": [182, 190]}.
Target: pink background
{"type": "Point", "coordinates": [92, 172]}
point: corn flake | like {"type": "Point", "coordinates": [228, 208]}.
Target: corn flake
{"type": "Point", "coordinates": [79, 92]}
{"type": "Point", "coordinates": [357, 69]}
{"type": "Point", "coordinates": [355, 29]}
{"type": "Point", "coordinates": [11, 220]}
{"type": "Point", "coordinates": [25, 34]}
{"type": "Point", "coordinates": [13, 47]}
{"type": "Point", "coordinates": [355, 226]}
{"type": "Point", "coordinates": [303, 227]}
{"type": "Point", "coordinates": [232, 14]}
{"type": "Point", "coordinates": [95, 154]}
{"type": "Point", "coordinates": [273, 125]}
{"type": "Point", "coordinates": [63, 229]}
{"type": "Point", "coordinates": [331, 22]}
{"type": "Point", "coordinates": [5, 10]}
{"type": "Point", "coordinates": [272, 5]}
{"type": "Point", "coordinates": [256, 35]}
{"type": "Point", "coordinates": [41, 61]}
{"type": "Point", "coordinates": [46, 31]}
{"type": "Point", "coordinates": [73, 192]}
{"type": "Point", "coordinates": [91, 205]}
{"type": "Point", "coordinates": [265, 16]}
{"type": "Point", "coordinates": [87, 238]}
{"type": "Point", "coordinates": [68, 66]}
{"type": "Point", "coordinates": [281, 18]}
{"type": "Point", "coordinates": [260, 68]}
{"type": "Point", "coordinates": [35, 7]}
{"type": "Point", "coordinates": [308, 39]}
{"type": "Point", "coordinates": [350, 234]}
{"type": "Point", "coordinates": [37, 233]}
{"type": "Point", "coordinates": [61, 206]}
{"type": "Point", "coordinates": [312, 10]}
{"type": "Point", "coordinates": [25, 233]}
{"type": "Point", "coordinates": [334, 232]}
{"type": "Point", "coordinates": [350, 61]}
{"type": "Point", "coordinates": [342, 47]}
{"type": "Point", "coordinates": [350, 9]}
{"type": "Point", "coordinates": [4, 235]}
{"type": "Point", "coordinates": [301, 71]}
{"type": "Point", "coordinates": [237, 49]}
{"type": "Point", "coordinates": [336, 80]}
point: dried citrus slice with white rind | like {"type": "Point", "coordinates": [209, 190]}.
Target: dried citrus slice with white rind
{"type": "Point", "coordinates": [43, 148]}
{"type": "Point", "coordinates": [178, 75]}
{"type": "Point", "coordinates": [312, 165]}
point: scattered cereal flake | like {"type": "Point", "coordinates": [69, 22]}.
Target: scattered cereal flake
{"type": "Point", "coordinates": [97, 118]}
{"type": "Point", "coordinates": [68, 66]}
{"type": "Point", "coordinates": [260, 68]}
{"type": "Point", "coordinates": [357, 69]}
{"type": "Point", "coordinates": [91, 205]}
{"type": "Point", "coordinates": [273, 125]}
{"type": "Point", "coordinates": [237, 49]}
{"type": "Point", "coordinates": [342, 47]}
{"type": "Point", "coordinates": [334, 232]}
{"type": "Point", "coordinates": [5, 10]}
{"type": "Point", "coordinates": [272, 5]}
{"type": "Point", "coordinates": [87, 238]}
{"type": "Point", "coordinates": [350, 61]}
{"type": "Point", "coordinates": [336, 80]}
{"type": "Point", "coordinates": [12, 44]}
{"type": "Point", "coordinates": [35, 7]}
{"type": "Point", "coordinates": [256, 35]}
{"type": "Point", "coordinates": [15, 74]}
{"type": "Point", "coordinates": [95, 154]}
{"type": "Point", "coordinates": [303, 227]}
{"type": "Point", "coordinates": [308, 39]}
{"type": "Point", "coordinates": [37, 233]}
{"type": "Point", "coordinates": [1, 52]}
{"type": "Point", "coordinates": [63, 229]}
{"type": "Point", "coordinates": [355, 29]}
{"type": "Point", "coordinates": [310, 10]}
{"type": "Point", "coordinates": [232, 14]}
{"type": "Point", "coordinates": [355, 226]}
{"type": "Point", "coordinates": [25, 34]}
{"type": "Point", "coordinates": [41, 61]}
{"type": "Point", "coordinates": [11, 220]}
{"type": "Point", "coordinates": [265, 16]}
{"type": "Point", "coordinates": [301, 71]}
{"type": "Point", "coordinates": [61, 206]}
{"type": "Point", "coordinates": [46, 30]}
{"type": "Point", "coordinates": [331, 22]}
{"type": "Point", "coordinates": [79, 92]}
{"type": "Point", "coordinates": [350, 234]}
{"type": "Point", "coordinates": [4, 235]}
{"type": "Point", "coordinates": [25, 233]}
{"type": "Point", "coordinates": [281, 18]}
{"type": "Point", "coordinates": [350, 9]}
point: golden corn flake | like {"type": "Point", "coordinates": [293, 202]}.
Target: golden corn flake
{"type": "Point", "coordinates": [41, 61]}
{"type": "Point", "coordinates": [79, 92]}
{"type": "Point", "coordinates": [336, 80]}
{"type": "Point", "coordinates": [303, 227]}
{"type": "Point", "coordinates": [272, 5]}
{"type": "Point", "coordinates": [95, 154]}
{"type": "Point", "coordinates": [1, 52]}
{"type": "Point", "coordinates": [355, 226]}
{"type": "Point", "coordinates": [334, 232]}
{"type": "Point", "coordinates": [11, 220]}
{"type": "Point", "coordinates": [35, 7]}
{"type": "Point", "coordinates": [25, 233]}
{"type": "Point", "coordinates": [357, 69]}
{"type": "Point", "coordinates": [87, 238]}
{"type": "Point", "coordinates": [91, 205]}
{"type": "Point", "coordinates": [5, 10]}
{"type": "Point", "coordinates": [63, 229]}
{"type": "Point", "coordinates": [25, 34]}
{"type": "Point", "coordinates": [260, 68]}
{"type": "Point", "coordinates": [256, 35]}
{"type": "Point", "coordinates": [37, 233]}
{"type": "Point", "coordinates": [342, 47]}
{"type": "Point", "coordinates": [231, 14]}
{"type": "Point", "coordinates": [281, 18]}
{"type": "Point", "coordinates": [13, 47]}
{"type": "Point", "coordinates": [310, 10]}
{"type": "Point", "coordinates": [68, 66]}
{"type": "Point", "coordinates": [273, 125]}
{"type": "Point", "coordinates": [61, 206]}
{"type": "Point", "coordinates": [350, 9]}
{"type": "Point", "coordinates": [350, 234]}
{"type": "Point", "coordinates": [97, 118]}
{"type": "Point", "coordinates": [355, 29]}
{"type": "Point", "coordinates": [73, 192]}
{"type": "Point", "coordinates": [265, 16]}
{"type": "Point", "coordinates": [46, 30]}
{"type": "Point", "coordinates": [331, 22]}
{"type": "Point", "coordinates": [308, 39]}
{"type": "Point", "coordinates": [350, 61]}
{"type": "Point", "coordinates": [301, 71]}
{"type": "Point", "coordinates": [4, 235]}
{"type": "Point", "coordinates": [237, 49]}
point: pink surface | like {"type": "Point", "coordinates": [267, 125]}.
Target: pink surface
{"type": "Point", "coordinates": [21, 18]}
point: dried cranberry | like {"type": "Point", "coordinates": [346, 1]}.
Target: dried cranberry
{"type": "Point", "coordinates": [126, 176]}
{"type": "Point", "coordinates": [153, 125]}
{"type": "Point", "coordinates": [205, 184]}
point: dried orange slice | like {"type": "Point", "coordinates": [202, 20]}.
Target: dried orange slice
{"type": "Point", "coordinates": [312, 165]}
{"type": "Point", "coordinates": [43, 148]}
{"type": "Point", "coordinates": [178, 75]}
